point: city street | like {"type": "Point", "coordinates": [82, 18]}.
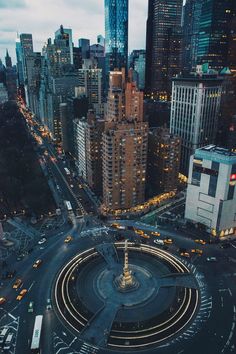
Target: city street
{"type": "Point", "coordinates": [213, 328]}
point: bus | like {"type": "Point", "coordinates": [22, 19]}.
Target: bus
{"type": "Point", "coordinates": [35, 343]}
{"type": "Point", "coordinates": [67, 171]}
{"type": "Point", "coordinates": [68, 205]}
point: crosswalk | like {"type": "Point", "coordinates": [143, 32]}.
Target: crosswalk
{"type": "Point", "coordinates": [88, 349]}
{"type": "Point", "coordinates": [12, 323]}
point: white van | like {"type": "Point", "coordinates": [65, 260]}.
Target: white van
{"type": "Point", "coordinates": [8, 342]}
{"type": "Point", "coordinates": [158, 242]}
{"type": "Point", "coordinates": [3, 334]}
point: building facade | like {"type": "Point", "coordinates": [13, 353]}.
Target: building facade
{"type": "Point", "coordinates": [214, 32]}
{"type": "Point", "coordinates": [163, 46]}
{"type": "Point", "coordinates": [124, 145]}
{"type": "Point", "coordinates": [190, 27]}
{"type": "Point", "coordinates": [211, 192]}
{"type": "Point", "coordinates": [116, 34]}
{"type": "Point", "coordinates": [163, 161]}
{"type": "Point", "coordinates": [195, 108]}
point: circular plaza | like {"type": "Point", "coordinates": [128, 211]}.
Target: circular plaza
{"type": "Point", "coordinates": [126, 297]}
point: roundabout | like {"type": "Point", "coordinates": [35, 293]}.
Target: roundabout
{"type": "Point", "coordinates": [126, 296]}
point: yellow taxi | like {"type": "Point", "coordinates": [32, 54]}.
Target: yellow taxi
{"type": "Point", "coordinates": [22, 294]}
{"type": "Point", "coordinates": [144, 235]}
{"type": "Point", "coordinates": [68, 239]}
{"type": "Point", "coordinates": [185, 254]}
{"type": "Point", "coordinates": [155, 233]}
{"type": "Point", "coordinates": [202, 242]}
{"type": "Point", "coordinates": [17, 284]}
{"type": "Point", "coordinates": [168, 241]}
{"type": "Point", "coordinates": [196, 250]}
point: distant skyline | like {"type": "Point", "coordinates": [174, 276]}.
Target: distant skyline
{"type": "Point", "coordinates": [42, 19]}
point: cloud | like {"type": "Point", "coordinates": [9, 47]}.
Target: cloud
{"type": "Point", "coordinates": [85, 17]}
{"type": "Point", "coordinates": [12, 4]}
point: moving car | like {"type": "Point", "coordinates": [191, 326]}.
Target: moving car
{"type": "Point", "coordinates": [185, 254]}
{"type": "Point", "coordinates": [2, 300]}
{"type": "Point", "coordinates": [168, 241]}
{"type": "Point", "coordinates": [21, 295]}
{"type": "Point", "coordinates": [159, 242]}
{"type": "Point", "coordinates": [68, 239]}
{"type": "Point", "coordinates": [144, 235]}
{"type": "Point", "coordinates": [211, 259]}
{"type": "Point", "coordinates": [17, 284]}
{"type": "Point", "coordinates": [202, 242]}
{"type": "Point", "coordinates": [198, 251]}
{"type": "Point", "coordinates": [42, 240]}
{"type": "Point", "coordinates": [156, 233]}
{"type": "Point", "coordinates": [37, 263]}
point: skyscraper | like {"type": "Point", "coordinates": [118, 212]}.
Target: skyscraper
{"type": "Point", "coordinates": [116, 34]}
{"type": "Point", "coordinates": [163, 161]}
{"type": "Point", "coordinates": [8, 60]}
{"type": "Point", "coordinates": [84, 45]}
{"type": "Point", "coordinates": [163, 46]}
{"type": "Point", "coordinates": [66, 35]}
{"type": "Point", "coordinates": [194, 113]}
{"type": "Point", "coordinates": [214, 32]}
{"type": "Point", "coordinates": [191, 21]}
{"type": "Point", "coordinates": [124, 145]}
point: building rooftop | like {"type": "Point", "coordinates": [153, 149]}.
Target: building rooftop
{"type": "Point", "coordinates": [199, 78]}
{"type": "Point", "coordinates": [216, 153]}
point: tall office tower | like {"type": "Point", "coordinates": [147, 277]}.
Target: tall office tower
{"type": "Point", "coordinates": [58, 53]}
{"type": "Point", "coordinates": [195, 108]}
{"type": "Point", "coordinates": [80, 146]}
{"type": "Point", "coordinates": [11, 82]}
{"type": "Point", "coordinates": [231, 136]}
{"type": "Point", "coordinates": [10, 77]}
{"type": "Point", "coordinates": [84, 45]}
{"type": "Point", "coordinates": [139, 67]}
{"type": "Point", "coordinates": [232, 45]}
{"type": "Point", "coordinates": [101, 40]}
{"type": "Point", "coordinates": [163, 161]}
{"type": "Point", "coordinates": [19, 63]}
{"type": "Point", "coordinates": [124, 145]}
{"type": "Point", "coordinates": [77, 58]}
{"type": "Point", "coordinates": [96, 51]}
{"type": "Point", "coordinates": [61, 88]}
{"type": "Point", "coordinates": [211, 192]}
{"type": "Point", "coordinates": [91, 80]}
{"type": "Point", "coordinates": [214, 32]}
{"type": "Point", "coordinates": [33, 74]}
{"type": "Point", "coordinates": [8, 61]}
{"type": "Point", "coordinates": [163, 46]}
{"type": "Point", "coordinates": [26, 42]}
{"type": "Point", "coordinates": [65, 34]}
{"type": "Point", "coordinates": [190, 28]}
{"type": "Point", "coordinates": [137, 60]}
{"type": "Point", "coordinates": [3, 93]}
{"type": "Point", "coordinates": [116, 34]}
{"type": "Point", "coordinates": [94, 131]}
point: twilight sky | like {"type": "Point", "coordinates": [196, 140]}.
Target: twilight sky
{"type": "Point", "coordinates": [43, 17]}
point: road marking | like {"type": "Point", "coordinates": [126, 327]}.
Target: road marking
{"type": "Point", "coordinates": [31, 286]}
{"type": "Point", "coordinates": [14, 318]}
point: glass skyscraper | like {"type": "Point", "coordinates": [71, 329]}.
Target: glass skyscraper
{"type": "Point", "coordinates": [191, 21]}
{"type": "Point", "coordinates": [116, 34]}
{"type": "Point", "coordinates": [214, 32]}
{"type": "Point", "coordinates": [163, 46]}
